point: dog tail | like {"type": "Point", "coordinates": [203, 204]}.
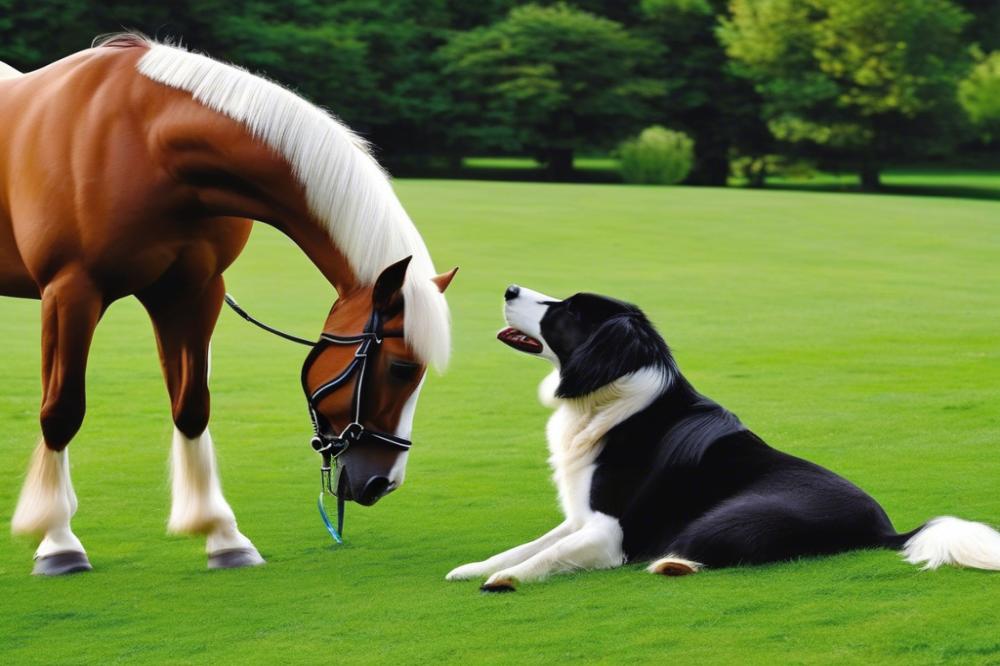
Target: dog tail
{"type": "Point", "coordinates": [949, 540]}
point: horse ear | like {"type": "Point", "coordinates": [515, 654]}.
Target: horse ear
{"type": "Point", "coordinates": [442, 281]}
{"type": "Point", "coordinates": [389, 283]}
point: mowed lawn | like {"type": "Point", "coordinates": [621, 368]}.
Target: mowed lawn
{"type": "Point", "coordinates": [861, 332]}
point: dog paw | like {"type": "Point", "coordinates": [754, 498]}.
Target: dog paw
{"type": "Point", "coordinates": [673, 566]}
{"type": "Point", "coordinates": [467, 572]}
{"type": "Point", "coordinates": [500, 582]}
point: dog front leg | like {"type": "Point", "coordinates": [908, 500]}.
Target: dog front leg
{"type": "Point", "coordinates": [598, 545]}
{"type": "Point", "coordinates": [509, 558]}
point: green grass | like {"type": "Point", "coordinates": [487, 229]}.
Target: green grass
{"type": "Point", "coordinates": [859, 332]}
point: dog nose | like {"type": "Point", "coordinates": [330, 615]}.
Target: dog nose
{"type": "Point", "coordinates": [511, 293]}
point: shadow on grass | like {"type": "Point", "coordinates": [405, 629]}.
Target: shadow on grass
{"type": "Point", "coordinates": [948, 191]}
{"type": "Point", "coordinates": [925, 183]}
{"type": "Point", "coordinates": [516, 174]}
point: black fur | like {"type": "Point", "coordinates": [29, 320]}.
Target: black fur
{"type": "Point", "coordinates": [685, 477]}
{"type": "Point", "coordinates": [586, 326]}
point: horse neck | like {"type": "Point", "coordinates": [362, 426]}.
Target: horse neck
{"type": "Point", "coordinates": [235, 175]}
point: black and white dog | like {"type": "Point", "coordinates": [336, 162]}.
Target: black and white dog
{"type": "Point", "coordinates": [649, 469]}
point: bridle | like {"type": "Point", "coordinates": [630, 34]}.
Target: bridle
{"type": "Point", "coordinates": [332, 445]}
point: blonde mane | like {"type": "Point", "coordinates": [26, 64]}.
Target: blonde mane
{"type": "Point", "coordinates": [7, 72]}
{"type": "Point", "coordinates": [346, 189]}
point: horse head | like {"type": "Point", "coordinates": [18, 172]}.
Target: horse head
{"type": "Point", "coordinates": [362, 382]}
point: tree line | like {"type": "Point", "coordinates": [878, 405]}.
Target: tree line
{"type": "Point", "coordinates": [848, 84]}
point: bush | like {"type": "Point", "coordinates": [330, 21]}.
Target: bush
{"type": "Point", "coordinates": [754, 170]}
{"type": "Point", "coordinates": [979, 95]}
{"type": "Point", "coordinates": [657, 156]}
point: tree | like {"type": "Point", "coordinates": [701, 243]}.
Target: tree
{"type": "Point", "coordinates": [33, 34]}
{"type": "Point", "coordinates": [979, 94]}
{"type": "Point", "coordinates": [861, 82]}
{"type": "Point", "coordinates": [549, 81]}
{"type": "Point", "coordinates": [984, 28]}
{"type": "Point", "coordinates": [720, 110]}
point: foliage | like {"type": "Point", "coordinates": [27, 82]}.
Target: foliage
{"type": "Point", "coordinates": [31, 32]}
{"type": "Point", "coordinates": [847, 82]}
{"type": "Point", "coordinates": [979, 94]}
{"type": "Point", "coordinates": [756, 169]}
{"type": "Point", "coordinates": [548, 81]}
{"type": "Point", "coordinates": [984, 28]}
{"type": "Point", "coordinates": [657, 156]}
{"type": "Point", "coordinates": [367, 62]}
{"type": "Point", "coordinates": [866, 80]}
{"type": "Point", "coordinates": [719, 110]}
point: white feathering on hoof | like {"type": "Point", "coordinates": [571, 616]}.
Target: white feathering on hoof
{"type": "Point", "coordinates": [950, 540]}
{"type": "Point", "coordinates": [47, 500]}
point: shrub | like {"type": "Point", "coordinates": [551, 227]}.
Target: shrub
{"type": "Point", "coordinates": [657, 156]}
{"type": "Point", "coordinates": [979, 95]}
{"type": "Point", "coordinates": [756, 169]}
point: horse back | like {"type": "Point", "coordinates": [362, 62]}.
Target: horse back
{"type": "Point", "coordinates": [82, 179]}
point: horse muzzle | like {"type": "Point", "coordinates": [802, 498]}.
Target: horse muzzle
{"type": "Point", "coordinates": [365, 476]}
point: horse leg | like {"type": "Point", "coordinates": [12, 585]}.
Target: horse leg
{"type": "Point", "coordinates": [184, 323]}
{"type": "Point", "coordinates": [71, 308]}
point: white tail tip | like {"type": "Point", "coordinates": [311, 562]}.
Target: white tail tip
{"type": "Point", "coordinates": [950, 540]}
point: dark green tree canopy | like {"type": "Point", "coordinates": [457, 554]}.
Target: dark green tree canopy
{"type": "Point", "coordinates": [849, 83]}
{"type": "Point", "coordinates": [549, 81]}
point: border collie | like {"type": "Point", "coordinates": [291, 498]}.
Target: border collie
{"type": "Point", "coordinates": [648, 469]}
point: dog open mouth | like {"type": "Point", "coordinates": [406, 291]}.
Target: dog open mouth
{"type": "Point", "coordinates": [519, 340]}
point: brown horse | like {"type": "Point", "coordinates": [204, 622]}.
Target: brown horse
{"type": "Point", "coordinates": [135, 168]}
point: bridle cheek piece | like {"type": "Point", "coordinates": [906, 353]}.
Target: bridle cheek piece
{"type": "Point", "coordinates": [332, 446]}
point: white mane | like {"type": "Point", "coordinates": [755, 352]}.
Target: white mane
{"type": "Point", "coordinates": [345, 187]}
{"type": "Point", "coordinates": [8, 72]}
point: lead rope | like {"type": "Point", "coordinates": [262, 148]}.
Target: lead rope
{"type": "Point", "coordinates": [326, 469]}
{"type": "Point", "coordinates": [325, 486]}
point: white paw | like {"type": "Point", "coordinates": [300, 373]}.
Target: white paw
{"type": "Point", "coordinates": [468, 571]}
{"type": "Point", "coordinates": [501, 581]}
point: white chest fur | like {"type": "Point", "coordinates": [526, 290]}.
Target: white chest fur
{"type": "Point", "coordinates": [577, 428]}
{"type": "Point", "coordinates": [572, 466]}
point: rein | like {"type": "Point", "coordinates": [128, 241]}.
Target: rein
{"type": "Point", "coordinates": [330, 445]}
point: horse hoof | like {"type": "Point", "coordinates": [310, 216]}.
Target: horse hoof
{"type": "Point", "coordinates": [236, 558]}
{"type": "Point", "coordinates": [58, 564]}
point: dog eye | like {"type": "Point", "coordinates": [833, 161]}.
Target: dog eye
{"type": "Point", "coordinates": [402, 370]}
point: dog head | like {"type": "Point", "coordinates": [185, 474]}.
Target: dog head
{"type": "Point", "coordinates": [592, 340]}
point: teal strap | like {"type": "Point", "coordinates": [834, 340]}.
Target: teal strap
{"type": "Point", "coordinates": [326, 519]}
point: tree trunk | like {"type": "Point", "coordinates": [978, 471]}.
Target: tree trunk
{"type": "Point", "coordinates": [559, 163]}
{"type": "Point", "coordinates": [711, 160]}
{"type": "Point", "coordinates": [756, 172]}
{"type": "Point", "coordinates": [870, 178]}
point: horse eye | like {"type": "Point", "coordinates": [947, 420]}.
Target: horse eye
{"type": "Point", "coordinates": [403, 370]}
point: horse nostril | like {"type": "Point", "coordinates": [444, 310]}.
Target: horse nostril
{"type": "Point", "coordinates": [376, 487]}
{"type": "Point", "coordinates": [511, 293]}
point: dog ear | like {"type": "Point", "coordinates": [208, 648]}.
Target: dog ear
{"type": "Point", "coordinates": [622, 344]}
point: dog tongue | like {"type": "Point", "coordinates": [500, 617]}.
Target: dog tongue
{"type": "Point", "coordinates": [520, 341]}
